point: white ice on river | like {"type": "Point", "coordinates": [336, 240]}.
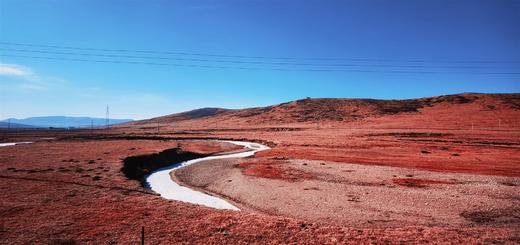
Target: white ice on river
{"type": "Point", "coordinates": [160, 181]}
{"type": "Point", "coordinates": [14, 143]}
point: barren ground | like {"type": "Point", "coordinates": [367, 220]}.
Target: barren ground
{"type": "Point", "coordinates": [319, 184]}
{"type": "Point", "coordinates": [359, 195]}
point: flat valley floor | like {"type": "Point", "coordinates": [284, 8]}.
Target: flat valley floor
{"type": "Point", "coordinates": [316, 185]}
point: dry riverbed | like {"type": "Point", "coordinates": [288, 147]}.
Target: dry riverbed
{"type": "Point", "coordinates": [360, 195]}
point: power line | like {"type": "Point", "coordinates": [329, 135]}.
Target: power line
{"type": "Point", "coordinates": [255, 68]}
{"type": "Point", "coordinates": [261, 57]}
{"type": "Point", "coordinates": [249, 62]}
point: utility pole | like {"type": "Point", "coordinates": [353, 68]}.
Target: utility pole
{"type": "Point", "coordinates": [142, 235]}
{"type": "Point", "coordinates": [91, 127]}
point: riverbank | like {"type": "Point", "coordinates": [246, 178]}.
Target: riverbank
{"type": "Point", "coordinates": [161, 182]}
{"type": "Point", "coordinates": [72, 190]}
{"type": "Point", "coordinates": [359, 195]}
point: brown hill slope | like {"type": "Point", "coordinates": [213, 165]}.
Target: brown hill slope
{"type": "Point", "coordinates": [188, 115]}
{"type": "Point", "coordinates": [451, 111]}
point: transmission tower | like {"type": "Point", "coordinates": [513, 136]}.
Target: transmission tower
{"type": "Point", "coordinates": [107, 120]}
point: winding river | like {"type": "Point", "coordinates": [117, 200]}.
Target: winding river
{"type": "Point", "coordinates": [160, 181]}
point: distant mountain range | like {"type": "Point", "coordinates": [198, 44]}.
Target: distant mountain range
{"type": "Point", "coordinates": [58, 122]}
{"type": "Point", "coordinates": [14, 125]}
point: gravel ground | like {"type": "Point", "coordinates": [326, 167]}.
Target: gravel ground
{"type": "Point", "coordinates": [361, 195]}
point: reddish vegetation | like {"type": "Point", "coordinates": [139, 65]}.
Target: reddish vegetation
{"type": "Point", "coordinates": [73, 190]}
{"type": "Point", "coordinates": [50, 195]}
{"type": "Point", "coordinates": [461, 111]}
{"type": "Point", "coordinates": [474, 159]}
{"type": "Point", "coordinates": [468, 133]}
{"type": "Point", "coordinates": [420, 183]}
{"type": "Point", "coordinates": [272, 169]}
{"type": "Point", "coordinates": [207, 147]}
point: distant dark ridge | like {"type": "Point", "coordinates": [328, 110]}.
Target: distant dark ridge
{"type": "Point", "coordinates": [15, 125]}
{"type": "Point", "coordinates": [65, 122]}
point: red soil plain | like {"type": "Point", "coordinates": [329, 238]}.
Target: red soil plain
{"type": "Point", "coordinates": [432, 170]}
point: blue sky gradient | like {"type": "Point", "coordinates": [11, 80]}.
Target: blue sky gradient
{"type": "Point", "coordinates": [484, 34]}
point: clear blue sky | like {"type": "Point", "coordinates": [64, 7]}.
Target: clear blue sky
{"type": "Point", "coordinates": [393, 33]}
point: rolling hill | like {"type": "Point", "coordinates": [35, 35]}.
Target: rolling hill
{"type": "Point", "coordinates": [459, 110]}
